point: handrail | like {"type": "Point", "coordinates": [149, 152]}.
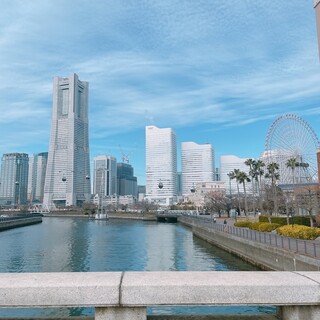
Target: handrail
{"type": "Point", "coordinates": [310, 248]}
{"type": "Point", "coordinates": [129, 293]}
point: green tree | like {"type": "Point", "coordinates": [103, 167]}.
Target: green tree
{"type": "Point", "coordinates": [233, 175]}
{"type": "Point", "coordinates": [273, 174]}
{"type": "Point", "coordinates": [242, 179]}
{"type": "Point", "coordinates": [250, 163]}
{"type": "Point", "coordinates": [258, 173]}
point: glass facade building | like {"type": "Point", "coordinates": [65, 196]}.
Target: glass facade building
{"type": "Point", "coordinates": [14, 179]}
{"type": "Point", "coordinates": [36, 177]}
{"type": "Point", "coordinates": [67, 180]}
{"type": "Point", "coordinates": [105, 176]}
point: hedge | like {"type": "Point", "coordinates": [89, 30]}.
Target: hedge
{"type": "Point", "coordinates": [299, 232]}
{"type": "Point", "coordinates": [302, 220]}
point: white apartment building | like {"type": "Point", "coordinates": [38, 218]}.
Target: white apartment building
{"type": "Point", "coordinates": [197, 164]}
{"type": "Point", "coordinates": [227, 164]}
{"type": "Point", "coordinates": [161, 165]}
{"type": "Point", "coordinates": [67, 180]}
{"type": "Point", "coordinates": [105, 175]}
{"type": "Point", "coordinates": [198, 196]}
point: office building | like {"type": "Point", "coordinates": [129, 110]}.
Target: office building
{"type": "Point", "coordinates": [36, 177]}
{"type": "Point", "coordinates": [197, 164]}
{"type": "Point", "coordinates": [227, 164]}
{"type": "Point", "coordinates": [105, 176]}
{"type": "Point", "coordinates": [161, 165]}
{"type": "Point", "coordinates": [14, 179]}
{"type": "Point", "coordinates": [126, 181]}
{"type": "Point", "coordinates": [67, 180]}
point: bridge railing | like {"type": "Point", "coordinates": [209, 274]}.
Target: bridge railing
{"type": "Point", "coordinates": [125, 295]}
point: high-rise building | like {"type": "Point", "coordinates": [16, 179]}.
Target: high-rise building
{"type": "Point", "coordinates": [161, 165]}
{"type": "Point", "coordinates": [197, 164]}
{"type": "Point", "coordinates": [14, 178]}
{"type": "Point", "coordinates": [36, 177]}
{"type": "Point", "coordinates": [105, 176]}
{"type": "Point", "coordinates": [227, 164]}
{"type": "Point", "coordinates": [67, 180]}
{"type": "Point", "coordinates": [126, 181]}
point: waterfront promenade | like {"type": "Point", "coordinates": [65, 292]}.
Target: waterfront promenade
{"type": "Point", "coordinates": [16, 221]}
{"type": "Point", "coordinates": [269, 251]}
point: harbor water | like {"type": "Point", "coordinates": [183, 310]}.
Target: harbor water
{"type": "Point", "coordinates": [82, 245]}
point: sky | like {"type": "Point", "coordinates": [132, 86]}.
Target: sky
{"type": "Point", "coordinates": [215, 71]}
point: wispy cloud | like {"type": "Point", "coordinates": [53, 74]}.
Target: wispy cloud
{"type": "Point", "coordinates": [179, 63]}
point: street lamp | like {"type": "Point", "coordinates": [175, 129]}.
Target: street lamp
{"type": "Point", "coordinates": [160, 185]}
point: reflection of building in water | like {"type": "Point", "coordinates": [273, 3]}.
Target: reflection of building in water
{"type": "Point", "coordinates": [169, 247]}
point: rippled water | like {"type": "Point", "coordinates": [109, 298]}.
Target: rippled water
{"type": "Point", "coordinates": [75, 244]}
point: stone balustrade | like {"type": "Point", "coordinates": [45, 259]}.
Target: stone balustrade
{"type": "Point", "coordinates": [126, 295]}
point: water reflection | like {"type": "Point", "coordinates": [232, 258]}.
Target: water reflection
{"type": "Point", "coordinates": [73, 244]}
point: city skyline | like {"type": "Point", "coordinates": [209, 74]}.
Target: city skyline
{"type": "Point", "coordinates": [215, 72]}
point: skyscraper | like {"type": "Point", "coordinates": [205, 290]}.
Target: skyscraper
{"type": "Point", "coordinates": [105, 175]}
{"type": "Point", "coordinates": [36, 177]}
{"type": "Point", "coordinates": [68, 170]}
{"type": "Point", "coordinates": [126, 181]}
{"type": "Point", "coordinates": [14, 178]}
{"type": "Point", "coordinates": [161, 165]}
{"type": "Point", "coordinates": [227, 164]}
{"type": "Point", "coordinates": [197, 164]}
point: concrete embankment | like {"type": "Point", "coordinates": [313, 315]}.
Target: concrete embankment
{"type": "Point", "coordinates": [129, 216]}
{"type": "Point", "coordinates": [13, 222]}
{"type": "Point", "coordinates": [264, 256]}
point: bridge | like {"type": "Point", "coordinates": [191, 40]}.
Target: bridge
{"type": "Point", "coordinates": [126, 295]}
{"type": "Point", "coordinates": [172, 215]}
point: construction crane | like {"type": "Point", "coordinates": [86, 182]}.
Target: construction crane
{"type": "Point", "coordinates": [124, 156]}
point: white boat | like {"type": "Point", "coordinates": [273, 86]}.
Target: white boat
{"type": "Point", "coordinates": [101, 214]}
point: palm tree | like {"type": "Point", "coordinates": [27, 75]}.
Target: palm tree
{"type": "Point", "coordinates": [258, 173]}
{"type": "Point", "coordinates": [234, 175]}
{"type": "Point", "coordinates": [292, 163]}
{"type": "Point", "coordinates": [243, 178]}
{"type": "Point", "coordinates": [250, 163]}
{"type": "Point", "coordinates": [273, 174]}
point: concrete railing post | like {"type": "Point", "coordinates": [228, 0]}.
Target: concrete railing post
{"type": "Point", "coordinates": [300, 312]}
{"type": "Point", "coordinates": [120, 313]}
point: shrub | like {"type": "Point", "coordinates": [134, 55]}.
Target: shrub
{"type": "Point", "coordinates": [299, 232]}
{"type": "Point", "coordinates": [279, 220]}
{"type": "Point", "coordinates": [243, 224]}
{"type": "Point", "coordinates": [264, 226]}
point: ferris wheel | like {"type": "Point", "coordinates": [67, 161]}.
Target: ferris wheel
{"type": "Point", "coordinates": [291, 137]}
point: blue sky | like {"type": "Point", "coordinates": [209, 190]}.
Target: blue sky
{"type": "Point", "coordinates": [215, 71]}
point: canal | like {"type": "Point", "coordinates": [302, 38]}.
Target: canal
{"type": "Point", "coordinates": [76, 244]}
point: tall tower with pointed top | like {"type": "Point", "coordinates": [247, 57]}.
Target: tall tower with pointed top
{"type": "Point", "coordinates": [68, 169]}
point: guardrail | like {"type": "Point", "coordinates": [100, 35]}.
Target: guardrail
{"type": "Point", "coordinates": [125, 296]}
{"type": "Point", "coordinates": [305, 247]}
